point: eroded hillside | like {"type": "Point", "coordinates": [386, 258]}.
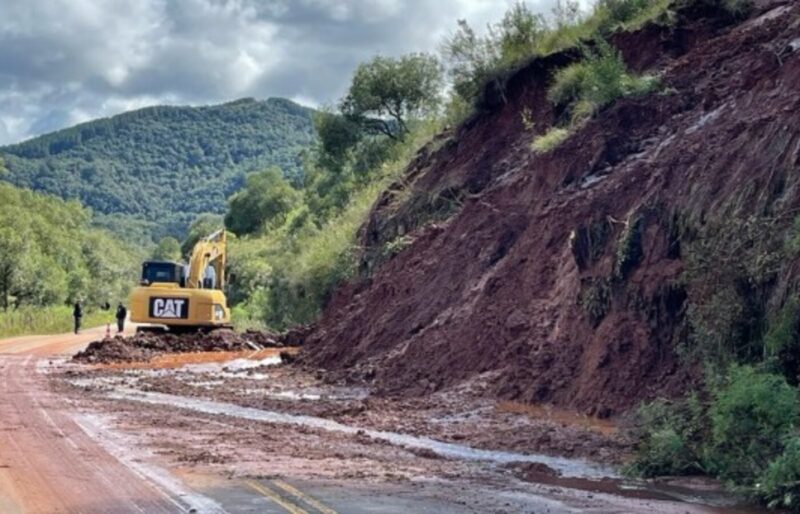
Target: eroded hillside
{"type": "Point", "coordinates": [579, 275]}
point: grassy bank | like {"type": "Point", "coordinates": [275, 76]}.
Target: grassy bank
{"type": "Point", "coordinates": [47, 320]}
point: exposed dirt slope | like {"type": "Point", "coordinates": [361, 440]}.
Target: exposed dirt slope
{"type": "Point", "coordinates": [557, 277]}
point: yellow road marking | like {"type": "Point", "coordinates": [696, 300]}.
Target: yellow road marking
{"type": "Point", "coordinates": [324, 509]}
{"type": "Point", "coordinates": [289, 506]}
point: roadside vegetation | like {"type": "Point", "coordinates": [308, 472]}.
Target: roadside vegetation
{"type": "Point", "coordinates": [54, 319]}
{"type": "Point", "coordinates": [51, 257]}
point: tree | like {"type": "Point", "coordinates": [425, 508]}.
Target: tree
{"type": "Point", "coordinates": [337, 136]}
{"type": "Point", "coordinates": [518, 33]}
{"type": "Point", "coordinates": [168, 249]}
{"type": "Point", "coordinates": [265, 200]}
{"type": "Point", "coordinates": [472, 60]}
{"type": "Point", "coordinates": [566, 13]}
{"type": "Point", "coordinates": [14, 248]}
{"type": "Point", "coordinates": [387, 92]}
{"type": "Point", "coordinates": [204, 225]}
{"type": "Point", "coordinates": [50, 254]}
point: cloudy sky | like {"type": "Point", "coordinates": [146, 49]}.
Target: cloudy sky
{"type": "Point", "coordinates": [67, 61]}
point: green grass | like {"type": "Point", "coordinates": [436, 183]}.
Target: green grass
{"type": "Point", "coordinates": [549, 140]}
{"type": "Point", "coordinates": [47, 320]}
{"type": "Point", "coordinates": [598, 80]}
{"type": "Point", "coordinates": [585, 87]}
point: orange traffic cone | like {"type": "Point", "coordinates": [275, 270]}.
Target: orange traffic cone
{"type": "Point", "coordinates": [108, 330]}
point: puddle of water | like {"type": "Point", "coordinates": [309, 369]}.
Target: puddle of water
{"type": "Point", "coordinates": [232, 366]}
{"type": "Point", "coordinates": [566, 467]}
{"type": "Point", "coordinates": [206, 384]}
{"type": "Point", "coordinates": [293, 395]}
{"type": "Point", "coordinates": [101, 382]}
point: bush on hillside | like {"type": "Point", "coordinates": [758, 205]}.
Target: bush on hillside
{"type": "Point", "coordinates": [670, 438]}
{"type": "Point", "coordinates": [782, 340]}
{"type": "Point", "coordinates": [474, 61]}
{"type": "Point", "coordinates": [751, 415]}
{"type": "Point", "coordinates": [586, 86]}
{"type": "Point", "coordinates": [746, 436]}
{"type": "Point", "coordinates": [730, 264]}
{"type": "Point", "coordinates": [612, 15]}
{"type": "Point", "coordinates": [597, 80]}
{"type": "Point", "coordinates": [779, 485]}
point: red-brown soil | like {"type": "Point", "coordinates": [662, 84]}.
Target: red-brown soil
{"type": "Point", "coordinates": [495, 290]}
{"type": "Point", "coordinates": [145, 346]}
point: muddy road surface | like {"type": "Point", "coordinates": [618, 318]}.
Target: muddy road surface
{"type": "Point", "coordinates": [239, 432]}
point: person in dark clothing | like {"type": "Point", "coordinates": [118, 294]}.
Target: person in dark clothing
{"type": "Point", "coordinates": [77, 313]}
{"type": "Point", "coordinates": [122, 313]}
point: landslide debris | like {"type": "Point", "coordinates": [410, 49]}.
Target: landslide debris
{"type": "Point", "coordinates": [561, 277]}
{"type": "Point", "coordinates": [144, 346]}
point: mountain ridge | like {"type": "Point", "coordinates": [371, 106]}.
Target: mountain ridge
{"type": "Point", "coordinates": [188, 158]}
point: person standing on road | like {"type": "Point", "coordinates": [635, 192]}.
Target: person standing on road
{"type": "Point", "coordinates": [122, 313]}
{"type": "Point", "coordinates": [77, 313]}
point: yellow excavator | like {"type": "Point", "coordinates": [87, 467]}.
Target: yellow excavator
{"type": "Point", "coordinates": [178, 297]}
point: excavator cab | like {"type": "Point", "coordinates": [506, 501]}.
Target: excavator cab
{"type": "Point", "coordinates": [162, 272]}
{"type": "Point", "coordinates": [184, 297]}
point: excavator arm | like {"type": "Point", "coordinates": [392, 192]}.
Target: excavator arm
{"type": "Point", "coordinates": [207, 252]}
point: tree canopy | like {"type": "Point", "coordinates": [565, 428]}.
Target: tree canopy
{"type": "Point", "coordinates": [51, 255]}
{"type": "Point", "coordinates": [168, 249]}
{"type": "Point", "coordinates": [386, 92]}
{"type": "Point", "coordinates": [204, 225]}
{"type": "Point", "coordinates": [265, 200]}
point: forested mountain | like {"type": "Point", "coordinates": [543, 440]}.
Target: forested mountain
{"type": "Point", "coordinates": [155, 169]}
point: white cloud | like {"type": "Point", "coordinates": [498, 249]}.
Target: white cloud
{"type": "Point", "coordinates": [68, 60]}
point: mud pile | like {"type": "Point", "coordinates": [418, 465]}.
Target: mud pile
{"type": "Point", "coordinates": [557, 277]}
{"type": "Point", "coordinates": [144, 346]}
